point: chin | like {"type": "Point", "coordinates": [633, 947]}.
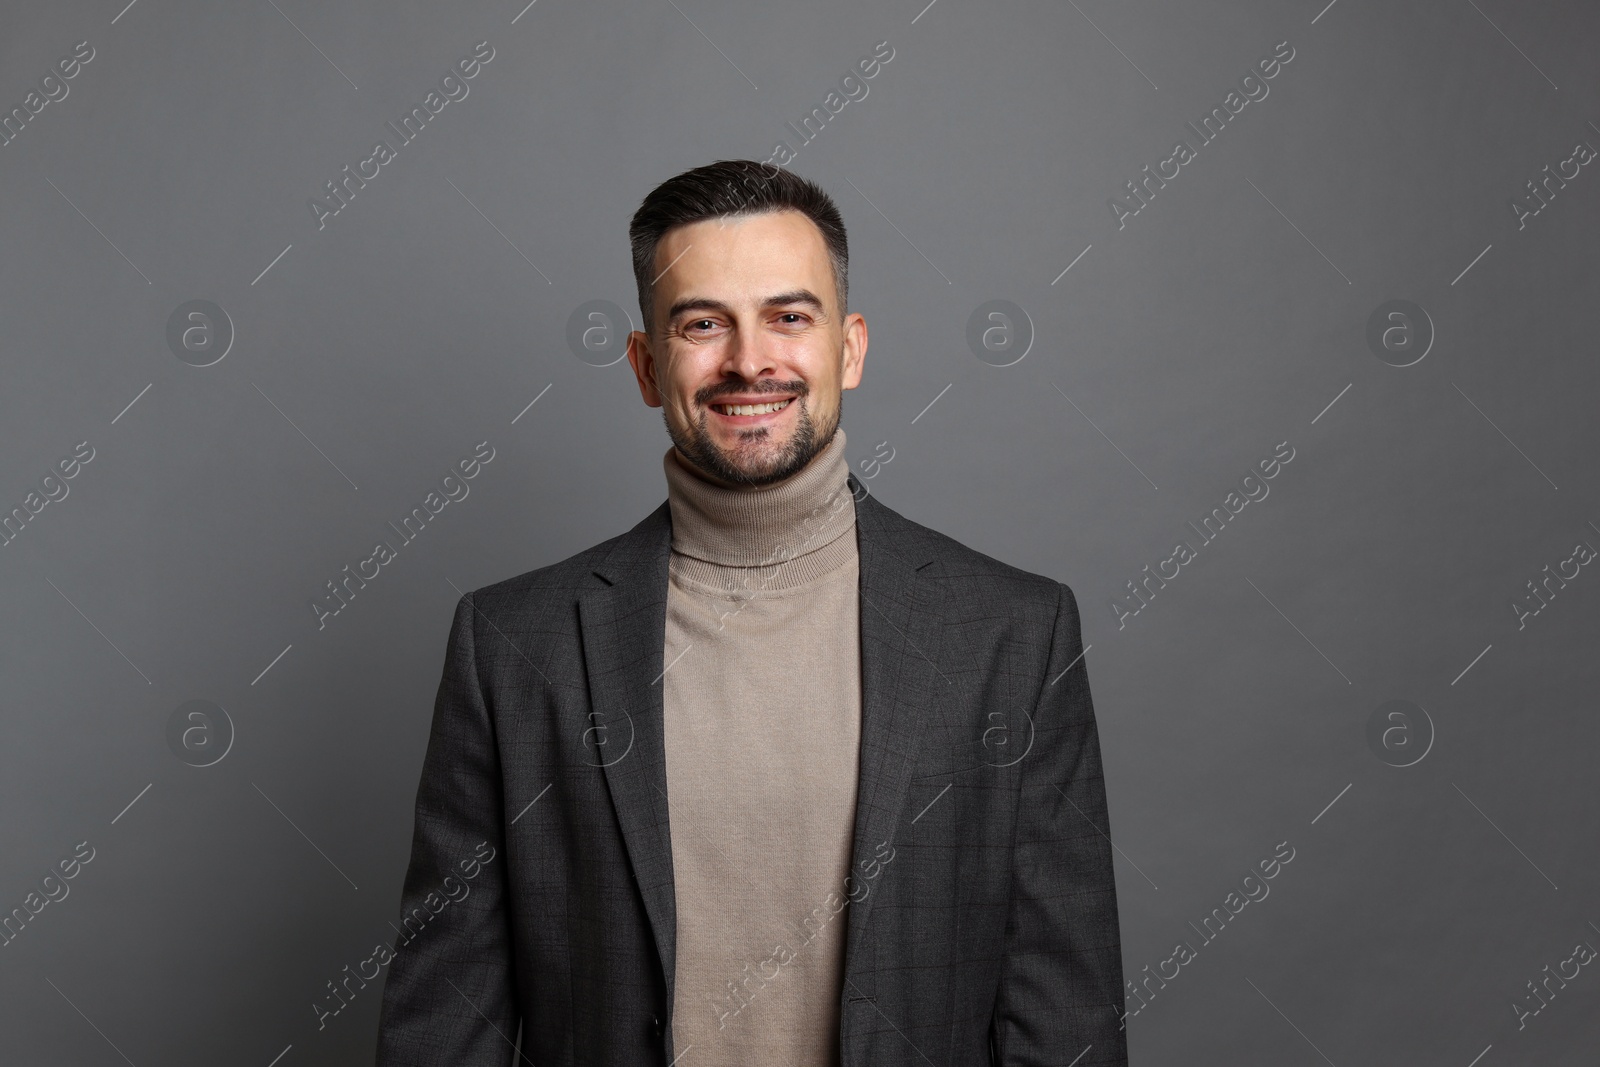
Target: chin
{"type": "Point", "coordinates": [754, 457]}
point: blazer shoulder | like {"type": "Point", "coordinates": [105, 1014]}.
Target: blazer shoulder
{"type": "Point", "coordinates": [571, 576]}
{"type": "Point", "coordinates": [960, 567]}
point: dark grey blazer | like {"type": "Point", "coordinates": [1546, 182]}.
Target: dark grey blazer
{"type": "Point", "coordinates": [983, 923]}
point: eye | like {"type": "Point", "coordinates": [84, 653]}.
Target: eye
{"type": "Point", "coordinates": [702, 327]}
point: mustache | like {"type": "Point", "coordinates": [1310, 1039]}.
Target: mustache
{"type": "Point", "coordinates": [765, 387]}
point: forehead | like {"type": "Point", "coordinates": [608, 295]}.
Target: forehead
{"type": "Point", "coordinates": [743, 258]}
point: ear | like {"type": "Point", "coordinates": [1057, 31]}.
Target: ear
{"type": "Point", "coordinates": [643, 362]}
{"type": "Point", "coordinates": [855, 351]}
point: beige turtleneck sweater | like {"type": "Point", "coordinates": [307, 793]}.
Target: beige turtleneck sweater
{"type": "Point", "coordinates": [762, 703]}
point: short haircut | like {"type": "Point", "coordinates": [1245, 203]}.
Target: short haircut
{"type": "Point", "coordinates": [726, 189]}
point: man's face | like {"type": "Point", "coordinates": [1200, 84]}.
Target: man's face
{"type": "Point", "coordinates": [746, 314]}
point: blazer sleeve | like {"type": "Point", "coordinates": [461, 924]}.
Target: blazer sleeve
{"type": "Point", "coordinates": [1060, 992]}
{"type": "Point", "coordinates": [449, 998]}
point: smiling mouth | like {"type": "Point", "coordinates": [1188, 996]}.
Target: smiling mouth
{"type": "Point", "coordinates": [752, 409]}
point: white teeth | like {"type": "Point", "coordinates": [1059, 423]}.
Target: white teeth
{"type": "Point", "coordinates": [752, 409]}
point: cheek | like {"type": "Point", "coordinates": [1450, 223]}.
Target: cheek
{"type": "Point", "coordinates": [677, 381]}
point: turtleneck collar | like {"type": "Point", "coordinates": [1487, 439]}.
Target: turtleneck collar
{"type": "Point", "coordinates": [795, 519]}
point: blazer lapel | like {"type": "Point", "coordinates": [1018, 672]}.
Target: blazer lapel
{"type": "Point", "coordinates": [901, 687]}
{"type": "Point", "coordinates": [624, 632]}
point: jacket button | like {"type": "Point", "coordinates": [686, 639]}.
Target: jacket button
{"type": "Point", "coordinates": [656, 1027]}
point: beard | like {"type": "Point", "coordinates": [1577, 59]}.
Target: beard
{"type": "Point", "coordinates": [751, 464]}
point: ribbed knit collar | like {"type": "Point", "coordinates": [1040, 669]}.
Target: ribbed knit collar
{"type": "Point", "coordinates": [795, 519]}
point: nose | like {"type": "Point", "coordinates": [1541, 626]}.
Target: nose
{"type": "Point", "coordinates": [747, 356]}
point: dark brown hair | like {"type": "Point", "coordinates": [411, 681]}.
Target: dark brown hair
{"type": "Point", "coordinates": [725, 189]}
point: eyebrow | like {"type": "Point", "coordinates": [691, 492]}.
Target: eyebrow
{"type": "Point", "coordinates": [705, 303]}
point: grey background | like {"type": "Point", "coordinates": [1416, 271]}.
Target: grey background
{"type": "Point", "coordinates": [1175, 353]}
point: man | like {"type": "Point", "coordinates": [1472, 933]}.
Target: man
{"type": "Point", "coordinates": [778, 776]}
